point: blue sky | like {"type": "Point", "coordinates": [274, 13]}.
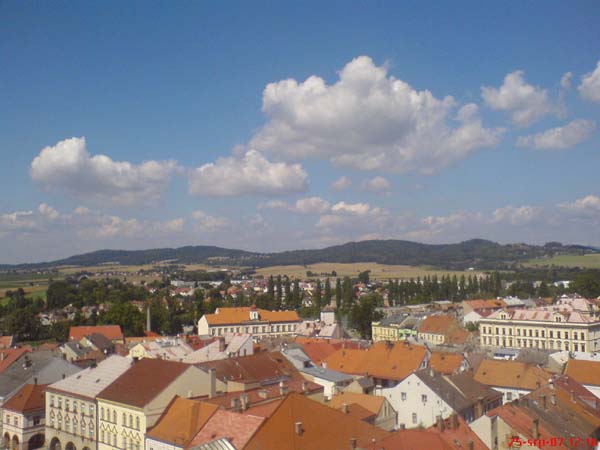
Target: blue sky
{"type": "Point", "coordinates": [449, 121]}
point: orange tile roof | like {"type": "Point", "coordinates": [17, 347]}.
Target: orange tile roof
{"type": "Point", "coordinates": [227, 316]}
{"type": "Point", "coordinates": [322, 428]}
{"type": "Point", "coordinates": [182, 420]}
{"type": "Point", "coordinates": [264, 409]}
{"type": "Point", "coordinates": [585, 372]}
{"type": "Point", "coordinates": [438, 324]}
{"type": "Point", "coordinates": [237, 428]}
{"type": "Point", "coordinates": [446, 363]}
{"type": "Point", "coordinates": [358, 411]}
{"type": "Point", "coordinates": [10, 355]}
{"type": "Point", "coordinates": [459, 437]}
{"type": "Point", "coordinates": [29, 398]}
{"type": "Point", "coordinates": [371, 402]}
{"type": "Point", "coordinates": [143, 381]}
{"type": "Point", "coordinates": [391, 361]}
{"type": "Point", "coordinates": [514, 374]}
{"type": "Point", "coordinates": [112, 332]}
{"type": "Point", "coordinates": [317, 350]}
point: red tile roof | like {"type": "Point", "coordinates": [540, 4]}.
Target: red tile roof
{"type": "Point", "coordinates": [237, 428]}
{"type": "Point", "coordinates": [586, 372]}
{"type": "Point", "coordinates": [29, 398]}
{"type": "Point", "coordinates": [410, 440]}
{"type": "Point", "coordinates": [10, 355]}
{"type": "Point", "coordinates": [231, 316]}
{"type": "Point", "coordinates": [515, 374]}
{"type": "Point", "coordinates": [446, 363]}
{"type": "Point", "coordinates": [253, 368]}
{"type": "Point", "coordinates": [112, 332]}
{"type": "Point", "coordinates": [317, 349]}
{"type": "Point", "coordinates": [143, 381]}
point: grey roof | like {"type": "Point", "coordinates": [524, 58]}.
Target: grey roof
{"type": "Point", "coordinates": [100, 341]}
{"type": "Point", "coordinates": [459, 391]}
{"type": "Point", "coordinates": [77, 348]}
{"type": "Point", "coordinates": [402, 320]}
{"type": "Point", "coordinates": [326, 374]}
{"type": "Point", "coordinates": [91, 381]}
{"type": "Point", "coordinates": [219, 444]}
{"type": "Point", "coordinates": [44, 366]}
{"type": "Point", "coordinates": [365, 382]}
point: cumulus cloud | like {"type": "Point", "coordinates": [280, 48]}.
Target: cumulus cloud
{"type": "Point", "coordinates": [368, 120]}
{"type": "Point", "coordinates": [357, 209]}
{"type": "Point", "coordinates": [312, 205]}
{"type": "Point", "coordinates": [377, 184]}
{"type": "Point", "coordinates": [171, 226]}
{"type": "Point", "coordinates": [589, 88]}
{"type": "Point", "coordinates": [565, 81]}
{"type": "Point", "coordinates": [274, 204]}
{"type": "Point", "coordinates": [560, 138]}
{"type": "Point", "coordinates": [525, 103]}
{"type": "Point", "coordinates": [341, 183]}
{"type": "Point", "coordinates": [69, 166]}
{"type": "Point", "coordinates": [588, 205]}
{"type": "Point", "coordinates": [251, 174]}
{"type": "Point", "coordinates": [48, 211]}
{"type": "Point", "coordinates": [206, 223]}
{"type": "Point", "coordinates": [516, 215]}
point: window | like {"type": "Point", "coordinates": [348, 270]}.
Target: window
{"type": "Point", "coordinates": [414, 417]}
{"type": "Point", "coordinates": [581, 336]}
{"type": "Point", "coordinates": [114, 416]}
{"type": "Point", "coordinates": [16, 421]}
{"type": "Point", "coordinates": [403, 396]}
{"type": "Point", "coordinates": [137, 423]}
{"type": "Point", "coordinates": [67, 405]}
{"type": "Point", "coordinates": [114, 440]}
{"type": "Point", "coordinates": [424, 398]}
{"type": "Point", "coordinates": [130, 421]}
{"type": "Point", "coordinates": [101, 435]}
{"type": "Point", "coordinates": [59, 402]}
{"type": "Point", "coordinates": [52, 400]}
{"type": "Point", "coordinates": [102, 413]}
{"type": "Point", "coordinates": [91, 410]}
{"type": "Point", "coordinates": [124, 422]}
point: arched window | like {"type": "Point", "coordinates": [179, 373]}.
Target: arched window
{"type": "Point", "coordinates": [137, 423]}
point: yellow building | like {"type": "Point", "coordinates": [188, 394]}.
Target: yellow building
{"type": "Point", "coordinates": [542, 328]}
{"type": "Point", "coordinates": [395, 328]}
{"type": "Point", "coordinates": [135, 401]}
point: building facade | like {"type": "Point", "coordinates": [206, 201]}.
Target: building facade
{"type": "Point", "coordinates": [544, 329]}
{"type": "Point", "coordinates": [24, 419]}
{"type": "Point", "coordinates": [395, 328]}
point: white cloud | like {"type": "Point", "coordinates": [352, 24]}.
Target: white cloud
{"type": "Point", "coordinates": [171, 226]}
{"type": "Point", "coordinates": [517, 215]}
{"type": "Point", "coordinates": [252, 174]}
{"type": "Point", "coordinates": [588, 205]}
{"type": "Point", "coordinates": [368, 120]}
{"type": "Point", "coordinates": [207, 223]}
{"type": "Point", "coordinates": [69, 166]}
{"type": "Point", "coordinates": [560, 138]}
{"type": "Point", "coordinates": [377, 184]}
{"type": "Point", "coordinates": [590, 85]}
{"type": "Point", "coordinates": [17, 221]}
{"type": "Point", "coordinates": [330, 220]}
{"type": "Point", "coordinates": [525, 103]}
{"type": "Point", "coordinates": [274, 204]}
{"type": "Point", "coordinates": [565, 81]}
{"type": "Point", "coordinates": [341, 183]}
{"type": "Point", "coordinates": [48, 211]}
{"type": "Point", "coordinates": [358, 209]}
{"type": "Point", "coordinates": [312, 205]}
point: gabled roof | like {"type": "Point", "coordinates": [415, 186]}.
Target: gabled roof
{"type": "Point", "coordinates": [231, 316]}
{"type": "Point", "coordinates": [446, 363]}
{"type": "Point", "coordinates": [260, 367]}
{"type": "Point", "coordinates": [372, 403]}
{"type": "Point", "coordinates": [181, 421]}
{"type": "Point", "coordinates": [302, 423]}
{"type": "Point", "coordinates": [410, 440]}
{"type": "Point", "coordinates": [438, 324]}
{"type": "Point", "coordinates": [236, 428]}
{"type": "Point", "coordinates": [143, 381]}
{"type": "Point", "coordinates": [29, 398]}
{"type": "Point", "coordinates": [513, 374]}
{"type": "Point", "coordinates": [112, 332]}
{"type": "Point", "coordinates": [586, 372]}
{"type": "Point", "coordinates": [93, 380]}
{"type": "Point", "coordinates": [10, 355]}
{"type": "Point", "coordinates": [317, 349]}
{"type": "Point", "coordinates": [391, 361]}
{"type": "Point", "coordinates": [458, 438]}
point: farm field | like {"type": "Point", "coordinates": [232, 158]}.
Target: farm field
{"type": "Point", "coordinates": [589, 261]}
{"type": "Point", "coordinates": [378, 271]}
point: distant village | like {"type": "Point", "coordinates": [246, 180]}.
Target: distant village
{"type": "Point", "coordinates": [321, 363]}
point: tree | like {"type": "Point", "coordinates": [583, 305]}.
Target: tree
{"type": "Point", "coordinates": [338, 293]}
{"type": "Point", "coordinates": [297, 302]}
{"type": "Point", "coordinates": [347, 293]}
{"type": "Point", "coordinates": [24, 324]}
{"type": "Point", "coordinates": [287, 291]}
{"type": "Point", "coordinates": [543, 290]}
{"type": "Point", "coordinates": [586, 284]}
{"type": "Point", "coordinates": [364, 313]}
{"type": "Point", "coordinates": [327, 292]}
{"type": "Point", "coordinates": [128, 316]}
{"type": "Point", "coordinates": [279, 290]}
{"type": "Point", "coordinates": [318, 296]}
{"type": "Point", "coordinates": [363, 277]}
{"type": "Point", "coordinates": [271, 287]}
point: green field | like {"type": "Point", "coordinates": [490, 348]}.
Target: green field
{"type": "Point", "coordinates": [589, 261]}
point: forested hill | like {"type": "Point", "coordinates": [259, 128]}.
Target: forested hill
{"type": "Point", "coordinates": [478, 253]}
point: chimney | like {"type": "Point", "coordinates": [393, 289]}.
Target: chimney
{"type": "Point", "coordinates": [213, 382]}
{"type": "Point", "coordinates": [305, 387]}
{"type": "Point", "coordinates": [572, 395]}
{"type": "Point", "coordinates": [2, 356]}
{"type": "Point", "coordinates": [244, 399]}
{"type": "Point", "coordinates": [263, 394]}
{"type": "Point", "coordinates": [353, 443]}
{"type": "Point", "coordinates": [148, 319]}
{"type": "Point", "coordinates": [553, 398]}
{"type": "Point", "coordinates": [543, 401]}
{"type": "Point", "coordinates": [35, 380]}
{"type": "Point", "coordinates": [221, 344]}
{"type": "Point", "coordinates": [454, 421]}
{"type": "Point", "coordinates": [470, 445]}
{"type": "Point", "coordinates": [440, 424]}
{"type": "Point", "coordinates": [283, 390]}
{"type": "Point", "coordinates": [402, 426]}
{"type": "Point", "coordinates": [536, 428]}
{"type": "Point", "coordinates": [345, 409]}
{"type": "Point", "coordinates": [298, 428]}
{"type": "Point", "coordinates": [235, 404]}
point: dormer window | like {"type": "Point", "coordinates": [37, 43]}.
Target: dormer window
{"type": "Point", "coordinates": [253, 314]}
